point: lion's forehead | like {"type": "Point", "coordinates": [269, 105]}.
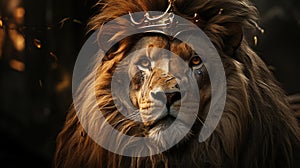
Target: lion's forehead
{"type": "Point", "coordinates": [174, 46]}
{"type": "Point", "coordinates": [162, 78]}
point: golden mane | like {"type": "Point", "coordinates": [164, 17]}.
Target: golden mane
{"type": "Point", "coordinates": [257, 128]}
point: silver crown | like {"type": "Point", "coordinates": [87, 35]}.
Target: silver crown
{"type": "Point", "coordinates": [165, 23]}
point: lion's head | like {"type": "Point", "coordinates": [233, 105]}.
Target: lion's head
{"type": "Point", "coordinates": [161, 85]}
{"type": "Point", "coordinates": [167, 78]}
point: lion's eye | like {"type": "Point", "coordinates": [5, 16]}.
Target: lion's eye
{"type": "Point", "coordinates": [195, 61]}
{"type": "Point", "coordinates": [144, 63]}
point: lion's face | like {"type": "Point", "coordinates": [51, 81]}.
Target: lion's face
{"type": "Point", "coordinates": [161, 71]}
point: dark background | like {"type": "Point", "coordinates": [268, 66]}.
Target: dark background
{"type": "Point", "coordinates": [35, 99]}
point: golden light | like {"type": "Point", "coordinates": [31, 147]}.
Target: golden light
{"type": "Point", "coordinates": [17, 65]}
{"type": "Point", "coordinates": [12, 5]}
{"type": "Point", "coordinates": [1, 23]}
{"type": "Point", "coordinates": [64, 83]}
{"type": "Point", "coordinates": [37, 43]}
{"type": "Point", "coordinates": [53, 56]}
{"type": "Point", "coordinates": [255, 40]}
{"type": "Point", "coordinates": [19, 12]}
{"type": "Point", "coordinates": [20, 44]}
{"type": "Point", "coordinates": [55, 59]}
{"type": "Point", "coordinates": [18, 40]}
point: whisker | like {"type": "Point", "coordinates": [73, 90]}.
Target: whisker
{"type": "Point", "coordinates": [131, 116]}
{"type": "Point", "coordinates": [201, 121]}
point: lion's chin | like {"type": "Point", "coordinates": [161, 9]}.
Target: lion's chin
{"type": "Point", "coordinates": [163, 123]}
{"type": "Point", "coordinates": [168, 131]}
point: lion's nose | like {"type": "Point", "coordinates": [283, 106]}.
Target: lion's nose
{"type": "Point", "coordinates": [172, 97]}
{"type": "Point", "coordinates": [159, 95]}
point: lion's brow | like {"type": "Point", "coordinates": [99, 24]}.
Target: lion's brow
{"type": "Point", "coordinates": [182, 49]}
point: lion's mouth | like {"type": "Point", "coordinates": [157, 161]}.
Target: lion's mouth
{"type": "Point", "coordinates": [165, 122]}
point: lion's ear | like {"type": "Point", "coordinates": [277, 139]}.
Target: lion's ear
{"type": "Point", "coordinates": [233, 38]}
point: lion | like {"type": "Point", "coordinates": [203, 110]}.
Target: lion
{"type": "Point", "coordinates": [257, 127]}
